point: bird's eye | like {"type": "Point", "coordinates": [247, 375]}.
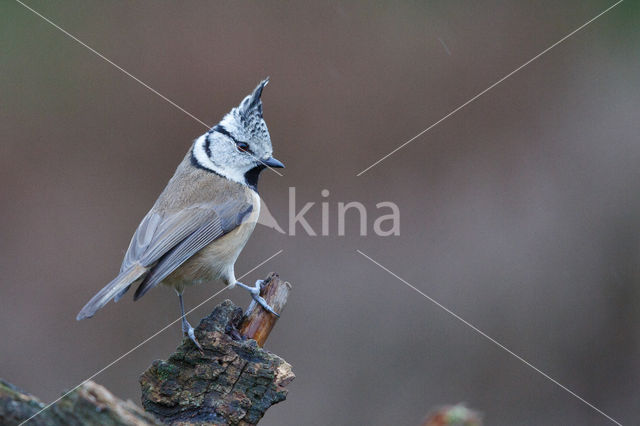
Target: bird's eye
{"type": "Point", "coordinates": [243, 147]}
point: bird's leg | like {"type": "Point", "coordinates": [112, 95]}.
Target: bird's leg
{"type": "Point", "coordinates": [255, 294]}
{"type": "Point", "coordinates": [186, 327]}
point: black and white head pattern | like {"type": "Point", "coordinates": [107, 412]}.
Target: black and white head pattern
{"type": "Point", "coordinates": [236, 147]}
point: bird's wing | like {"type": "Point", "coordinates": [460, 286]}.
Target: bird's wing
{"type": "Point", "coordinates": [157, 234]}
{"type": "Point", "coordinates": [163, 242]}
{"type": "Point", "coordinates": [174, 240]}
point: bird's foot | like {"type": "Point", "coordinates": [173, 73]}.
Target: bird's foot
{"type": "Point", "coordinates": [255, 294]}
{"type": "Point", "coordinates": [189, 331]}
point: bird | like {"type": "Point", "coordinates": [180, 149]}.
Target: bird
{"type": "Point", "coordinates": [203, 218]}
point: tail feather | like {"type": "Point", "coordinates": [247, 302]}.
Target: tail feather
{"type": "Point", "coordinates": [111, 290]}
{"type": "Point", "coordinates": [121, 293]}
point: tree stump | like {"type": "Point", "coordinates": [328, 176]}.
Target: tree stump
{"type": "Point", "coordinates": [233, 381]}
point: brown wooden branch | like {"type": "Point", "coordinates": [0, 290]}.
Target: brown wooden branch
{"type": "Point", "coordinates": [90, 404]}
{"type": "Point", "coordinates": [258, 323]}
{"type": "Point", "coordinates": [233, 381]}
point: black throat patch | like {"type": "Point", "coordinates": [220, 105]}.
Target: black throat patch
{"type": "Point", "coordinates": [251, 177]}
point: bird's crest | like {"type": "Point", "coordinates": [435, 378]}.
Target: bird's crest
{"type": "Point", "coordinates": [251, 107]}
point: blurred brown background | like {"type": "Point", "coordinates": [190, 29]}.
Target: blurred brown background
{"type": "Point", "coordinates": [521, 212]}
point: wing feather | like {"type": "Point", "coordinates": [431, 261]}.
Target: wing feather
{"type": "Point", "coordinates": [231, 215]}
{"type": "Point", "coordinates": [157, 234]}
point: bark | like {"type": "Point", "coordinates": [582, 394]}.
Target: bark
{"type": "Point", "coordinates": [90, 404]}
{"type": "Point", "coordinates": [232, 381]}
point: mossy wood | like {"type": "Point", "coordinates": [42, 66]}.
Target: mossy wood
{"type": "Point", "coordinates": [232, 381]}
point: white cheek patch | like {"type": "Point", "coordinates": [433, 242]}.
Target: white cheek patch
{"type": "Point", "coordinates": [200, 155]}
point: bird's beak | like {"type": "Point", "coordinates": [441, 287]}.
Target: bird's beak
{"type": "Point", "coordinates": [273, 163]}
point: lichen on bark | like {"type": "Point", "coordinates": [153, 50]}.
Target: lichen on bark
{"type": "Point", "coordinates": [231, 382]}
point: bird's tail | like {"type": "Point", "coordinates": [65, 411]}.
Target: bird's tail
{"type": "Point", "coordinates": [121, 282]}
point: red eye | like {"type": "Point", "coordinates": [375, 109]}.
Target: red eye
{"type": "Point", "coordinates": [243, 147]}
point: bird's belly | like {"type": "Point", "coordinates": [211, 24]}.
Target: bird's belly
{"type": "Point", "coordinates": [215, 261]}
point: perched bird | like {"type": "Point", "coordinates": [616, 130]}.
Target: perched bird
{"type": "Point", "coordinates": [203, 218]}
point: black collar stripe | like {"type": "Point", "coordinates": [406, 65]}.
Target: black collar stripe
{"type": "Point", "coordinates": [207, 145]}
{"type": "Point", "coordinates": [220, 129]}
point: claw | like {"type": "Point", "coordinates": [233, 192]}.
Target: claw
{"type": "Point", "coordinates": [189, 331]}
{"type": "Point", "coordinates": [186, 327]}
{"type": "Point", "coordinates": [255, 294]}
{"type": "Point", "coordinates": [264, 304]}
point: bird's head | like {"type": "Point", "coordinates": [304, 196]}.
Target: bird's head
{"type": "Point", "coordinates": [240, 144]}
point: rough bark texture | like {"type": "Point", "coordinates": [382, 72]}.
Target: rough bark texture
{"type": "Point", "coordinates": [90, 404]}
{"type": "Point", "coordinates": [233, 381]}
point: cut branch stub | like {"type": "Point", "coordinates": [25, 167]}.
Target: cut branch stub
{"type": "Point", "coordinates": [257, 322]}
